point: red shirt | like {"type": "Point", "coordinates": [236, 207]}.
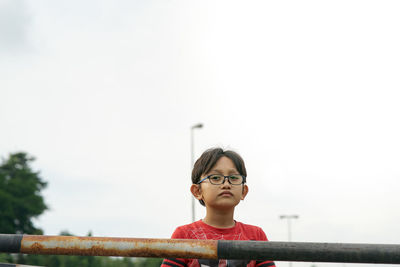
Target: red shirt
{"type": "Point", "coordinates": [200, 230]}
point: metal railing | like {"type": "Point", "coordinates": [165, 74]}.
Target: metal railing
{"type": "Point", "coordinates": [16, 265]}
{"type": "Point", "coordinates": [201, 249]}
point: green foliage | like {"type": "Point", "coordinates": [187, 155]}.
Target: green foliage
{"type": "Point", "coordinates": [5, 258]}
{"type": "Point", "coordinates": [148, 262]}
{"type": "Point", "coordinates": [87, 261]}
{"type": "Point", "coordinates": [20, 195]}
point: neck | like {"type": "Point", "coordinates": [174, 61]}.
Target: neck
{"type": "Point", "coordinates": [219, 218]}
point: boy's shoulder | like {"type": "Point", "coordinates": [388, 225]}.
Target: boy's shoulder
{"type": "Point", "coordinates": [249, 226]}
{"type": "Point", "coordinates": [253, 231]}
{"type": "Point", "coordinates": [184, 231]}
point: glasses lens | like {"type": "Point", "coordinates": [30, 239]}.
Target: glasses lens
{"type": "Point", "coordinates": [235, 179]}
{"type": "Point", "coordinates": [216, 179]}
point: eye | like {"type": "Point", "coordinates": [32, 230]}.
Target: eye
{"type": "Point", "coordinates": [216, 177]}
{"type": "Point", "coordinates": [235, 177]}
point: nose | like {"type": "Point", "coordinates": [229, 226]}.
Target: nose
{"type": "Point", "coordinates": [226, 182]}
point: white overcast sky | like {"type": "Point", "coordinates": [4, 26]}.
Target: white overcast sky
{"type": "Point", "coordinates": [103, 94]}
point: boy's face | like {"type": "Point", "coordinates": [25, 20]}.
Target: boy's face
{"type": "Point", "coordinates": [224, 195]}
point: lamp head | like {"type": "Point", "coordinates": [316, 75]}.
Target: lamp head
{"type": "Point", "coordinates": [199, 125]}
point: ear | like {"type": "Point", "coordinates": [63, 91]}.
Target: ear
{"type": "Point", "coordinates": [196, 191]}
{"type": "Point", "coordinates": [244, 191]}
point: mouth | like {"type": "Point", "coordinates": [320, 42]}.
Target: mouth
{"type": "Point", "coordinates": [225, 193]}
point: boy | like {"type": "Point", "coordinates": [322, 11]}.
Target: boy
{"type": "Point", "coordinates": [219, 183]}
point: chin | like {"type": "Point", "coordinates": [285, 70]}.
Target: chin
{"type": "Point", "coordinates": [225, 205]}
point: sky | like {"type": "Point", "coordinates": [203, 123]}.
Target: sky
{"type": "Point", "coordinates": [103, 94]}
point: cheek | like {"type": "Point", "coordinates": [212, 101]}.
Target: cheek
{"type": "Point", "coordinates": [239, 189]}
{"type": "Point", "coordinates": [210, 192]}
{"type": "Point", "coordinates": [240, 192]}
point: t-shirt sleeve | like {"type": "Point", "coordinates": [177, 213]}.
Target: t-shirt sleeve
{"type": "Point", "coordinates": [263, 237]}
{"type": "Point", "coordinates": [176, 262]}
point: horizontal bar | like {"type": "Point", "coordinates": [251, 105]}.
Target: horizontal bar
{"type": "Point", "coordinates": [114, 246]}
{"type": "Point", "coordinates": [310, 252]}
{"type": "Point", "coordinates": [10, 243]}
{"type": "Point", "coordinates": [201, 249]}
{"type": "Point", "coordinates": [16, 265]}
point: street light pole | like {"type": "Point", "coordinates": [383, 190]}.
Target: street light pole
{"type": "Point", "coordinates": [196, 126]}
{"type": "Point", "coordinates": [289, 217]}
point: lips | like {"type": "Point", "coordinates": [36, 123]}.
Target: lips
{"type": "Point", "coordinates": [225, 193]}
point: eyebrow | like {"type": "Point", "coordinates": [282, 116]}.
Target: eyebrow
{"type": "Point", "coordinates": [219, 171]}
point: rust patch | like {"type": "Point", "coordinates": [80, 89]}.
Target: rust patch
{"type": "Point", "coordinates": [37, 247]}
{"type": "Point", "coordinates": [115, 246]}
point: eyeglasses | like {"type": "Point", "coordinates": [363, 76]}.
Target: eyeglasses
{"type": "Point", "coordinates": [217, 179]}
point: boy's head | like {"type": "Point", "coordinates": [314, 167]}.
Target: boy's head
{"type": "Point", "coordinates": [208, 160]}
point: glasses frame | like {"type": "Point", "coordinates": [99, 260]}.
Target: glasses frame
{"type": "Point", "coordinates": [225, 178]}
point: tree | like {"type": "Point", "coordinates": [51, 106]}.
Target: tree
{"type": "Point", "coordinates": [20, 195]}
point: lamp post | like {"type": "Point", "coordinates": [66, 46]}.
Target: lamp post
{"type": "Point", "coordinates": [196, 126]}
{"type": "Point", "coordinates": [289, 218]}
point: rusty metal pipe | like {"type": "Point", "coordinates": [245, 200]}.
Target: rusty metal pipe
{"type": "Point", "coordinates": [108, 246]}
{"type": "Point", "coordinates": [129, 247]}
{"type": "Point", "coordinates": [201, 249]}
